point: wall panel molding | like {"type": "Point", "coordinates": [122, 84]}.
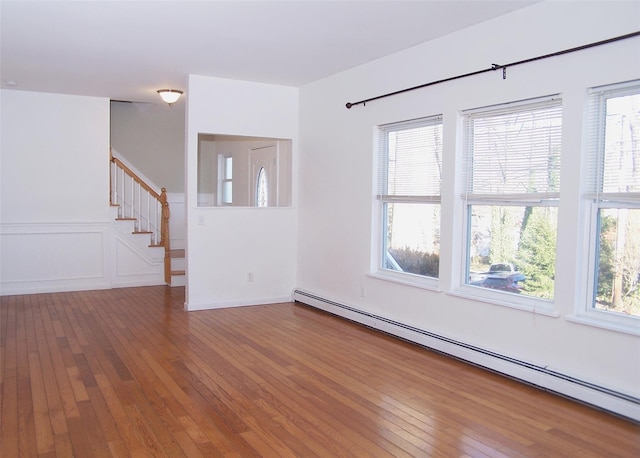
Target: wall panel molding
{"type": "Point", "coordinates": [52, 257]}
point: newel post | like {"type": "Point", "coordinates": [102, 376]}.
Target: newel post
{"type": "Point", "coordinates": [112, 173]}
{"type": "Point", "coordinates": [164, 235]}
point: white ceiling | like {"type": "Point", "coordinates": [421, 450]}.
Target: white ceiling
{"type": "Point", "coordinates": [125, 50]}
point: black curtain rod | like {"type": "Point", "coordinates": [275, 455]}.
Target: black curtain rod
{"type": "Point", "coordinates": [495, 67]}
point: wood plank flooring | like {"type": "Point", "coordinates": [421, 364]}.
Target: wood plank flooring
{"type": "Point", "coordinates": [126, 372]}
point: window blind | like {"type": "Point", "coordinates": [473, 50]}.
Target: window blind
{"type": "Point", "coordinates": [613, 139]}
{"type": "Point", "coordinates": [513, 151]}
{"type": "Point", "coordinates": [410, 160]}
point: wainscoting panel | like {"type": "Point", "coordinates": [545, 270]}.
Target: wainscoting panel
{"type": "Point", "coordinates": [133, 261]}
{"type": "Point", "coordinates": [53, 257]}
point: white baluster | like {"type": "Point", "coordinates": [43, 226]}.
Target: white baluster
{"type": "Point", "coordinates": [133, 194]}
{"type": "Point", "coordinates": [139, 207]}
{"type": "Point", "coordinates": [149, 212]}
{"type": "Point", "coordinates": [123, 197]}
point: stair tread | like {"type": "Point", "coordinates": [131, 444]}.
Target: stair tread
{"type": "Point", "coordinates": [142, 232]}
{"type": "Point", "coordinates": [126, 219]}
{"type": "Point", "coordinates": [178, 272]}
{"type": "Point", "coordinates": [176, 253]}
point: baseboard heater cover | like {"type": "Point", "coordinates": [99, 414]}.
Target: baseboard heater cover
{"type": "Point", "coordinates": [613, 401]}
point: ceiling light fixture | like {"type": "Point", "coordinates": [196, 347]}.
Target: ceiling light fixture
{"type": "Point", "coordinates": [170, 95]}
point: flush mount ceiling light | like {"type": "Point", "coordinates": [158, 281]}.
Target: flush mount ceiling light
{"type": "Point", "coordinates": [170, 95]}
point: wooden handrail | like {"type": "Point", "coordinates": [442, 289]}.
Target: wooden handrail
{"type": "Point", "coordinates": [136, 178]}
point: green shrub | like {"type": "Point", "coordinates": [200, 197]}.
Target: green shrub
{"type": "Point", "coordinates": [417, 262]}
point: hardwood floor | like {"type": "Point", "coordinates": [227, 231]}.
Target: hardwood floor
{"type": "Point", "coordinates": [126, 372]}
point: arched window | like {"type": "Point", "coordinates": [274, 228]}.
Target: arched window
{"type": "Point", "coordinates": [262, 189]}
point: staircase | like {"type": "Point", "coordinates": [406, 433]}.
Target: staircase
{"type": "Point", "coordinates": [141, 217]}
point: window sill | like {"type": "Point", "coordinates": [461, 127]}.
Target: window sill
{"type": "Point", "coordinates": [623, 324]}
{"type": "Point", "coordinates": [416, 281]}
{"type": "Point", "coordinates": [530, 305]}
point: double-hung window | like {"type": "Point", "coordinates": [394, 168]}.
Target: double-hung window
{"type": "Point", "coordinates": [510, 199]}
{"type": "Point", "coordinates": [225, 179]}
{"type": "Point", "coordinates": [613, 196]}
{"type": "Point", "coordinates": [409, 177]}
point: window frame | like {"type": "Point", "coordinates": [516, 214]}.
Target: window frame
{"type": "Point", "coordinates": [469, 200]}
{"type": "Point", "coordinates": [595, 199]}
{"type": "Point", "coordinates": [381, 199]}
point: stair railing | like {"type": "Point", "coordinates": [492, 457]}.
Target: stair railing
{"type": "Point", "coordinates": [139, 202]}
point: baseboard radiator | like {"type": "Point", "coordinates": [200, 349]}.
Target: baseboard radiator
{"type": "Point", "coordinates": [598, 396]}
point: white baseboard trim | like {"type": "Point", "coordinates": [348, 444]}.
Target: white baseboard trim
{"type": "Point", "coordinates": [52, 286]}
{"type": "Point", "coordinates": [136, 281]}
{"type": "Point", "coordinates": [192, 307]}
{"type": "Point", "coordinates": [610, 400]}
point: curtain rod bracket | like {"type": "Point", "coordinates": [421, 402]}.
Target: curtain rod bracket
{"type": "Point", "coordinates": [503, 67]}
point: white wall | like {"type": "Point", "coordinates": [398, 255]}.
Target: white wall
{"type": "Point", "coordinates": [226, 244]}
{"type": "Point", "coordinates": [151, 137]}
{"type": "Point", "coordinates": [336, 167]}
{"type": "Point", "coordinates": [54, 192]}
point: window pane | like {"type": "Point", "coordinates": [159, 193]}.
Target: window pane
{"type": "Point", "coordinates": [412, 238]}
{"type": "Point", "coordinates": [513, 249]}
{"type": "Point", "coordinates": [515, 151]}
{"type": "Point", "coordinates": [622, 154]}
{"type": "Point", "coordinates": [262, 189]}
{"type": "Point", "coordinates": [414, 161]}
{"type": "Point", "coordinates": [226, 192]}
{"type": "Point", "coordinates": [618, 273]}
{"type": "Point", "coordinates": [228, 168]}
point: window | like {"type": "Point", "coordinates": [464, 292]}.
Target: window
{"type": "Point", "coordinates": [409, 195]}
{"type": "Point", "coordinates": [262, 189]}
{"type": "Point", "coordinates": [511, 192]}
{"type": "Point", "coordinates": [613, 196]}
{"type": "Point", "coordinates": [225, 166]}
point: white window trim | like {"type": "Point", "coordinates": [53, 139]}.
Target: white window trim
{"type": "Point", "coordinates": [607, 320]}
{"type": "Point", "coordinates": [525, 303]}
{"type": "Point", "coordinates": [407, 279]}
